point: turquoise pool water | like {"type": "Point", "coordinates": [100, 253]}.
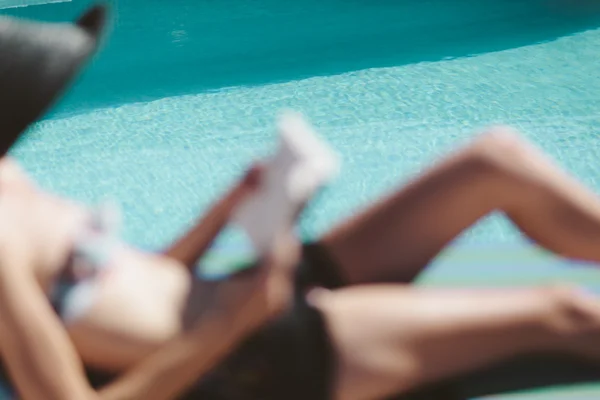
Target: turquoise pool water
{"type": "Point", "coordinates": [166, 159]}
{"type": "Point", "coordinates": [185, 95]}
{"type": "Point", "coordinates": [391, 84]}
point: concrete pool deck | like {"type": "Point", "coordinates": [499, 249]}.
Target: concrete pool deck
{"type": "Point", "coordinates": [495, 266]}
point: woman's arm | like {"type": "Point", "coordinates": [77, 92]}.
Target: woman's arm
{"type": "Point", "coordinates": [244, 303]}
{"type": "Point", "coordinates": [36, 350]}
{"type": "Point", "coordinates": [43, 363]}
{"type": "Point", "coordinates": [195, 242]}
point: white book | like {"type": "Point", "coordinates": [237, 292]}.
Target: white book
{"type": "Point", "coordinates": [302, 164]}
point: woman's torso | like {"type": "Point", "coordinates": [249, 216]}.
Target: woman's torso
{"type": "Point", "coordinates": [140, 299]}
{"type": "Point", "coordinates": [137, 306]}
{"type": "Point", "coordinates": [136, 303]}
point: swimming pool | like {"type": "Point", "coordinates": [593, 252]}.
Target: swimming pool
{"type": "Point", "coordinates": [185, 94]}
{"type": "Point", "coordinates": [165, 159]}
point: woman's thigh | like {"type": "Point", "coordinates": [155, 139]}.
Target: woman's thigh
{"type": "Point", "coordinates": [390, 339]}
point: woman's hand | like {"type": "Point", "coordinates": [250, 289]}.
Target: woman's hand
{"type": "Point", "coordinates": [191, 247]}
{"type": "Point", "coordinates": [253, 296]}
{"type": "Point", "coordinates": [251, 181]}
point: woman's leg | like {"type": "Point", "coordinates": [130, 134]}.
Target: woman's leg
{"type": "Point", "coordinates": [391, 339]}
{"type": "Point", "coordinates": [394, 239]}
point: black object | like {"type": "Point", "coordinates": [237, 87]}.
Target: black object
{"type": "Point", "coordinates": [37, 62]}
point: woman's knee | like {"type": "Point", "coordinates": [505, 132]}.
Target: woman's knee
{"type": "Point", "coordinates": [499, 147]}
{"type": "Point", "coordinates": [573, 311]}
{"type": "Point", "coordinates": [513, 163]}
